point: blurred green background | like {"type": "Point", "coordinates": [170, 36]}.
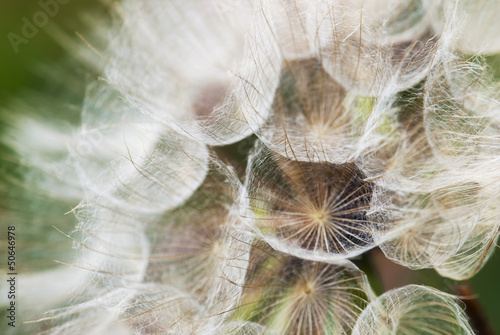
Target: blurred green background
{"type": "Point", "coordinates": [19, 74]}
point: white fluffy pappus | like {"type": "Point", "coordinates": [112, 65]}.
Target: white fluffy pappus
{"type": "Point", "coordinates": [413, 310]}
{"type": "Point", "coordinates": [317, 119]}
{"type": "Point", "coordinates": [132, 161]}
{"type": "Point", "coordinates": [207, 69]}
{"type": "Point", "coordinates": [290, 295]}
{"type": "Point", "coordinates": [441, 170]}
{"type": "Point", "coordinates": [313, 210]}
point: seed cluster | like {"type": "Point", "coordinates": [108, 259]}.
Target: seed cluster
{"type": "Point", "coordinates": [240, 154]}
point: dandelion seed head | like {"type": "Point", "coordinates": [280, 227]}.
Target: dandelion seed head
{"type": "Point", "coordinates": [314, 209]}
{"type": "Point", "coordinates": [374, 128]}
{"type": "Point", "coordinates": [295, 296]}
